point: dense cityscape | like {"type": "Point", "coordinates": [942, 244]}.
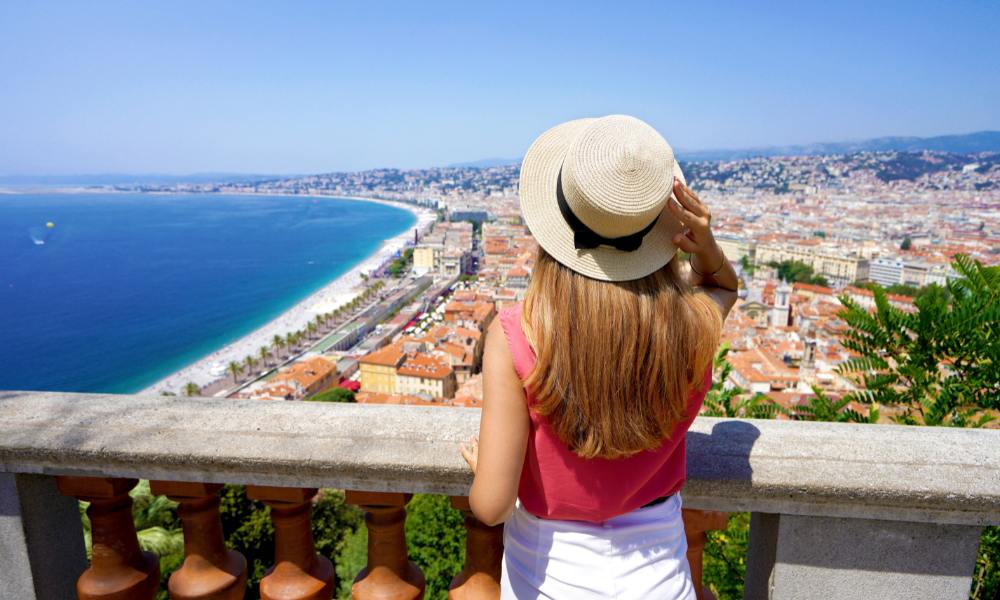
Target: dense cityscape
{"type": "Point", "coordinates": [802, 232]}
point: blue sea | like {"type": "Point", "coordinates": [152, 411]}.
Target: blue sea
{"type": "Point", "coordinates": [112, 292]}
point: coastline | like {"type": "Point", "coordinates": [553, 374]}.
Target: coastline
{"type": "Point", "coordinates": [335, 293]}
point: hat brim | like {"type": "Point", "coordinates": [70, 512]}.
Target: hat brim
{"type": "Point", "coordinates": [538, 181]}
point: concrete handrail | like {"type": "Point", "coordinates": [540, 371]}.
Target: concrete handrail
{"type": "Point", "coordinates": [889, 472]}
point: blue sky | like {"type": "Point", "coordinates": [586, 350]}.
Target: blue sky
{"type": "Point", "coordinates": [300, 87]}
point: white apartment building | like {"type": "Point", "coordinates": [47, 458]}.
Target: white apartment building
{"type": "Point", "coordinates": [886, 271]}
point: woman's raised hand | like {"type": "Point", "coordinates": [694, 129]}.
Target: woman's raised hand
{"type": "Point", "coordinates": [708, 264]}
{"type": "Point", "coordinates": [695, 216]}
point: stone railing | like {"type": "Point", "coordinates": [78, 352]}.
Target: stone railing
{"type": "Point", "coordinates": [837, 511]}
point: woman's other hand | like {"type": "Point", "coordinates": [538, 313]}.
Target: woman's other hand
{"type": "Point", "coordinates": [470, 452]}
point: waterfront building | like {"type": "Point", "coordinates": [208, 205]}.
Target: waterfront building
{"type": "Point", "coordinates": [312, 375]}
{"type": "Point", "coordinates": [378, 369]}
{"type": "Point", "coordinates": [427, 258]}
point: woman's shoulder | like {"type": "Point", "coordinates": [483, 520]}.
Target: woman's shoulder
{"type": "Point", "coordinates": [511, 314]}
{"type": "Point", "coordinates": [521, 354]}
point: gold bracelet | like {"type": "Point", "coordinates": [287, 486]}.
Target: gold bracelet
{"type": "Point", "coordinates": [712, 274]}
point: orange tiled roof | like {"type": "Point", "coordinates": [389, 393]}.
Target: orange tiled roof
{"type": "Point", "coordinates": [423, 365]}
{"type": "Point", "coordinates": [388, 356]}
{"type": "Point", "coordinates": [465, 332]}
{"type": "Point", "coordinates": [306, 373]}
{"type": "Point", "coordinates": [809, 287]}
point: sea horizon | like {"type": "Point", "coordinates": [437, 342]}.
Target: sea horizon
{"type": "Point", "coordinates": [113, 291]}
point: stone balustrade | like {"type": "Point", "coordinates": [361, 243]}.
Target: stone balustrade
{"type": "Point", "coordinates": [837, 510]}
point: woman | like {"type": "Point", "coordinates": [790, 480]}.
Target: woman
{"type": "Point", "coordinates": [590, 386]}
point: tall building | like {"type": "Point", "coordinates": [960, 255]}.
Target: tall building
{"type": "Point", "coordinates": [886, 271]}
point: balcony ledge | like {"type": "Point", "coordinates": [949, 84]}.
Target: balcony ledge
{"type": "Point", "coordinates": [886, 472]}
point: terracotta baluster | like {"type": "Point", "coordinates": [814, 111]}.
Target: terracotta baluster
{"type": "Point", "coordinates": [480, 576]}
{"type": "Point", "coordinates": [210, 571]}
{"type": "Point", "coordinates": [389, 573]}
{"type": "Point", "coordinates": [118, 570]}
{"type": "Point", "coordinates": [299, 573]}
{"type": "Point", "coordinates": [696, 523]}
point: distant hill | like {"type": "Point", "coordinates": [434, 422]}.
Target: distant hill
{"type": "Point", "coordinates": [965, 143]}
{"type": "Point", "coordinates": [980, 141]}
{"type": "Point", "coordinates": [486, 163]}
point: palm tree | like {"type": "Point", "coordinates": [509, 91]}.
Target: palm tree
{"type": "Point", "coordinates": [277, 342]}
{"type": "Point", "coordinates": [191, 389]}
{"type": "Point", "coordinates": [290, 341]}
{"type": "Point", "coordinates": [263, 354]}
{"type": "Point", "coordinates": [234, 368]}
{"type": "Point", "coordinates": [311, 328]}
{"type": "Point", "coordinates": [249, 361]}
{"type": "Point", "coordinates": [824, 408]}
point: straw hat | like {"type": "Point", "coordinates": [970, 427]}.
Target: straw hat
{"type": "Point", "coordinates": [594, 195]}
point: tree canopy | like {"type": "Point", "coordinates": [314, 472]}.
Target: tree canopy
{"type": "Point", "coordinates": [337, 394]}
{"type": "Point", "coordinates": [794, 271]}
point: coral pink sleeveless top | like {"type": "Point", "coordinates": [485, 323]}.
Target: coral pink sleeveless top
{"type": "Point", "coordinates": [558, 484]}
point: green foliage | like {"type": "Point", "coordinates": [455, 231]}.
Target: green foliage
{"type": "Point", "coordinates": [747, 264]}
{"type": "Point", "coordinates": [724, 560]}
{"type": "Point", "coordinates": [939, 365]}
{"type": "Point", "coordinates": [794, 271]}
{"type": "Point", "coordinates": [337, 394]}
{"type": "Point", "coordinates": [730, 403]}
{"type": "Point", "coordinates": [901, 289]}
{"type": "Point", "coordinates": [435, 540]}
{"type": "Point", "coordinates": [247, 528]}
{"type": "Point", "coordinates": [820, 234]}
{"type": "Point", "coordinates": [907, 243]}
{"type": "Point", "coordinates": [352, 558]}
{"type": "Point", "coordinates": [398, 267]}
{"type": "Point", "coordinates": [824, 408]}
{"type": "Point", "coordinates": [986, 578]}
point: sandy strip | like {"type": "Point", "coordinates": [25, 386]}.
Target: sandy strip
{"type": "Point", "coordinates": [336, 293]}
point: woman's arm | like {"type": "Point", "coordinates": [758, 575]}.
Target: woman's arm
{"type": "Point", "coordinates": [709, 268]}
{"type": "Point", "coordinates": [497, 456]}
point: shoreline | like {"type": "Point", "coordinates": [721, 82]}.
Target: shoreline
{"type": "Point", "coordinates": [336, 292]}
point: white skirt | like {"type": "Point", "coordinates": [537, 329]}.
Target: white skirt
{"type": "Point", "coordinates": [641, 554]}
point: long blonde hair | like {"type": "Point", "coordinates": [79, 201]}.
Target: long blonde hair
{"type": "Point", "coordinates": [616, 361]}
